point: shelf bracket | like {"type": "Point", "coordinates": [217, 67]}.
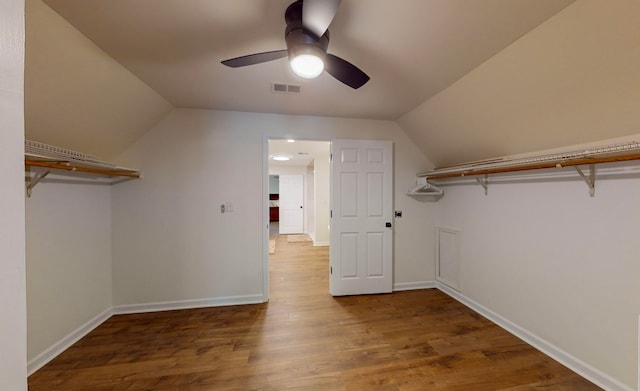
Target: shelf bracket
{"type": "Point", "coordinates": [591, 180]}
{"type": "Point", "coordinates": [484, 183]}
{"type": "Point", "coordinates": [32, 181]}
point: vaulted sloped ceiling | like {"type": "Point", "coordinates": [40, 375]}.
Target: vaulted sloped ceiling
{"type": "Point", "coordinates": [573, 80]}
{"type": "Point", "coordinates": [464, 79]}
{"type": "Point", "coordinates": [78, 97]}
{"type": "Point", "coordinates": [410, 48]}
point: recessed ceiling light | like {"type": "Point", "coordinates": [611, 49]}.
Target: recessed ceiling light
{"type": "Point", "coordinates": [281, 158]}
{"type": "Point", "coordinates": [291, 140]}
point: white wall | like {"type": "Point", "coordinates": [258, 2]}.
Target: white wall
{"type": "Point", "coordinates": [310, 202]}
{"type": "Point", "coordinates": [69, 280]}
{"type": "Point", "coordinates": [77, 96]}
{"type": "Point", "coordinates": [545, 255]}
{"type": "Point", "coordinates": [556, 262]}
{"type": "Point", "coordinates": [274, 184]}
{"type": "Point", "coordinates": [170, 241]}
{"type": "Point", "coordinates": [288, 170]}
{"type": "Point", "coordinates": [322, 195]}
{"type": "Point", "coordinates": [573, 79]}
{"type": "Point", "coordinates": [13, 328]}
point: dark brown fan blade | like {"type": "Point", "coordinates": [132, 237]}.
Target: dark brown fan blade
{"type": "Point", "coordinates": [254, 59]}
{"type": "Point", "coordinates": [317, 15]}
{"type": "Point", "coordinates": [345, 71]}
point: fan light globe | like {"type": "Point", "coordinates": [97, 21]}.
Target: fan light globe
{"type": "Point", "coordinates": [307, 66]}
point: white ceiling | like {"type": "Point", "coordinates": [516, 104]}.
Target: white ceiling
{"type": "Point", "coordinates": [302, 152]}
{"type": "Point", "coordinates": [412, 49]}
{"type": "Point", "coordinates": [464, 79]}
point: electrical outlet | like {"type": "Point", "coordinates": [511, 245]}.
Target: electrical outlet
{"type": "Point", "coordinates": [222, 208]}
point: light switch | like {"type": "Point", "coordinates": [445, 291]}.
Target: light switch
{"type": "Point", "coordinates": [229, 206]}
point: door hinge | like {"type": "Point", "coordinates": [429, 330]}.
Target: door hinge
{"type": "Point", "coordinates": [331, 213]}
{"type": "Point", "coordinates": [331, 270]}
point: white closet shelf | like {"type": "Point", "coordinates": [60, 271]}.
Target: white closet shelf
{"type": "Point", "coordinates": [606, 154]}
{"type": "Point", "coordinates": [57, 158]}
{"type": "Point", "coordinates": [57, 164]}
{"type": "Point", "coordinates": [590, 157]}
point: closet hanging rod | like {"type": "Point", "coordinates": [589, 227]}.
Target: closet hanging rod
{"type": "Point", "coordinates": [537, 166]}
{"type": "Point", "coordinates": [531, 162]}
{"type": "Point", "coordinates": [69, 167]}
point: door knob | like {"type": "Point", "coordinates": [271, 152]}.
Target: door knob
{"type": "Point", "coordinates": [387, 224]}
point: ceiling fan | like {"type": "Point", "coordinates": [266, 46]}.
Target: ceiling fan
{"type": "Point", "coordinates": [307, 39]}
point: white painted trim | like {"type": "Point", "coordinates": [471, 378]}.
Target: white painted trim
{"type": "Point", "coordinates": [320, 244]}
{"type": "Point", "coordinates": [409, 286]}
{"type": "Point", "coordinates": [580, 367]}
{"type": "Point", "coordinates": [456, 232]}
{"type": "Point", "coordinates": [265, 217]}
{"type": "Point", "coordinates": [585, 370]}
{"type": "Point", "coordinates": [188, 304]}
{"type": "Point", "coordinates": [57, 348]}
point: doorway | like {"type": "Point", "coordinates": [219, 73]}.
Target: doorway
{"type": "Point", "coordinates": [291, 205]}
{"type": "Point", "coordinates": [361, 257]}
{"type": "Point", "coordinates": [301, 167]}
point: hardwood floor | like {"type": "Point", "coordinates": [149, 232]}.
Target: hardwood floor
{"type": "Point", "coordinates": [304, 339]}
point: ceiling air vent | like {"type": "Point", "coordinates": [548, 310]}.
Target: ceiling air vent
{"type": "Point", "coordinates": [283, 88]}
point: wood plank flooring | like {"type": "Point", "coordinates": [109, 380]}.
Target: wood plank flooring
{"type": "Point", "coordinates": [304, 339]}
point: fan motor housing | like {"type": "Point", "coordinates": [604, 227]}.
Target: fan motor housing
{"type": "Point", "coordinates": [300, 40]}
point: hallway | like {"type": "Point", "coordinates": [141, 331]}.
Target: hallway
{"type": "Point", "coordinates": [297, 269]}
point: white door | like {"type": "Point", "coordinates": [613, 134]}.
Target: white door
{"type": "Point", "coordinates": [361, 253]}
{"type": "Point", "coordinates": [291, 213]}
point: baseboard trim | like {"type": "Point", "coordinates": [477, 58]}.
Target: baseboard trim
{"type": "Point", "coordinates": [320, 244]}
{"type": "Point", "coordinates": [54, 350]}
{"type": "Point", "coordinates": [187, 304]}
{"type": "Point", "coordinates": [583, 369]}
{"type": "Point", "coordinates": [580, 367]}
{"type": "Point", "coordinates": [409, 286]}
